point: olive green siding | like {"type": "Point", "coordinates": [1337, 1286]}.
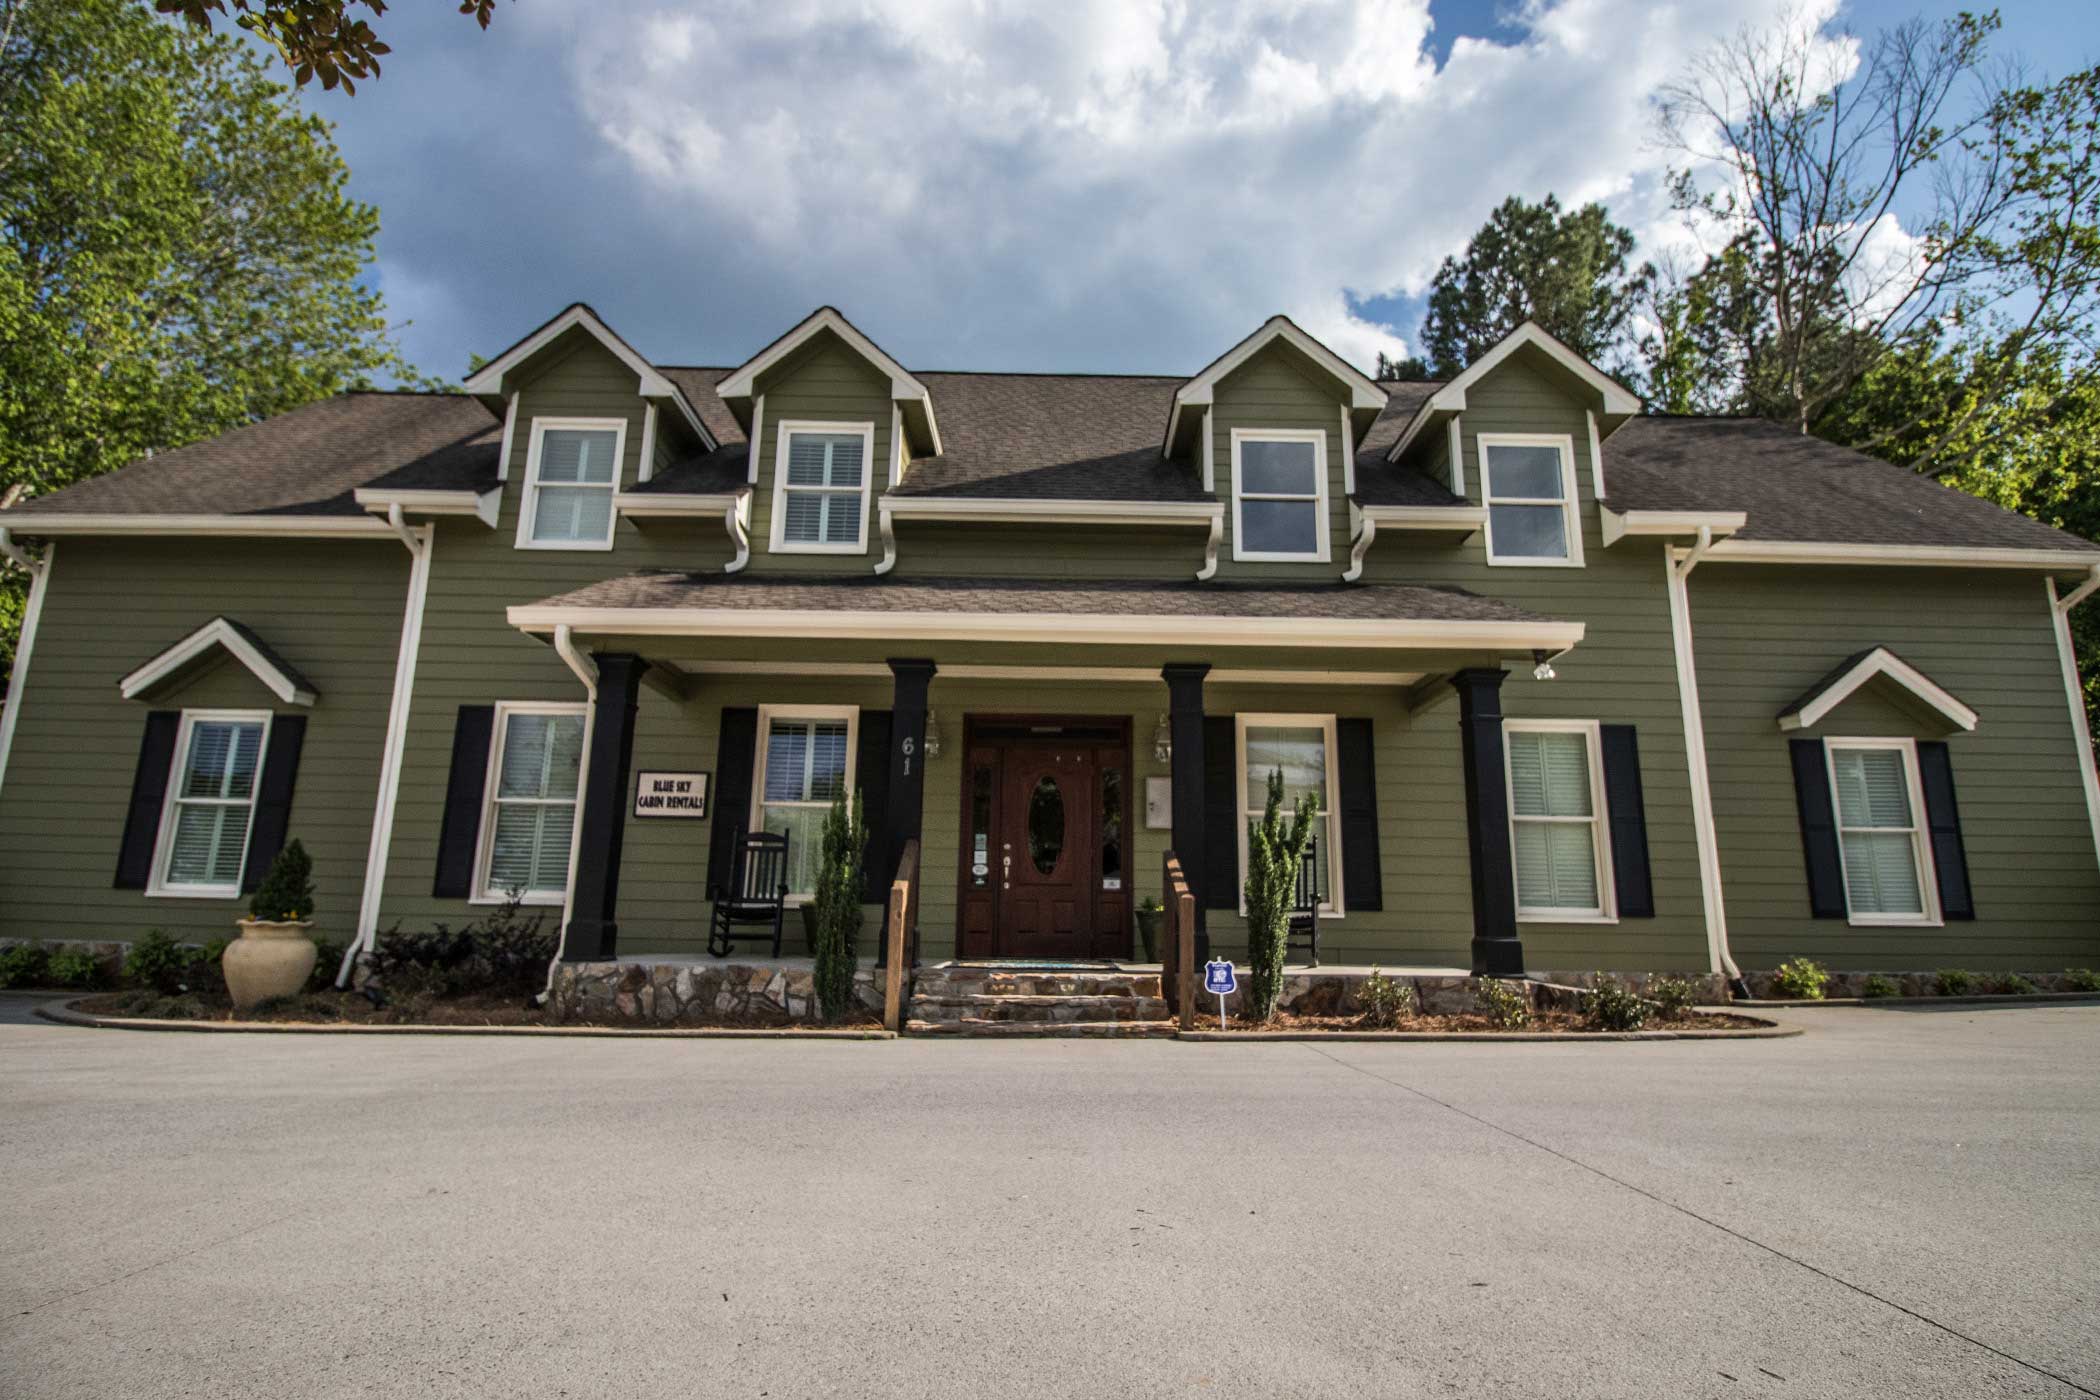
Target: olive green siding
{"type": "Point", "coordinates": [1272, 390]}
{"type": "Point", "coordinates": [1764, 635]}
{"type": "Point", "coordinates": [331, 609]}
{"type": "Point", "coordinates": [979, 550]}
{"type": "Point", "coordinates": [825, 382]}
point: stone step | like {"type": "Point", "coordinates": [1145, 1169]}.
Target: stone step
{"type": "Point", "coordinates": [974, 1026]}
{"type": "Point", "coordinates": [985, 981]}
{"type": "Point", "coordinates": [1037, 1008]}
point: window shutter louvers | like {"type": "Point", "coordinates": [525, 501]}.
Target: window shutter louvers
{"type": "Point", "coordinates": [1221, 814]}
{"type": "Point", "coordinates": [1627, 812]}
{"type": "Point", "coordinates": [465, 786]}
{"type": "Point", "coordinates": [273, 798]}
{"type": "Point", "coordinates": [1950, 859]}
{"type": "Point", "coordinates": [734, 754]}
{"type": "Point", "coordinates": [149, 793]}
{"type": "Point", "coordinates": [1819, 836]}
{"type": "Point", "coordinates": [872, 771]}
{"type": "Point", "coordinates": [1363, 883]}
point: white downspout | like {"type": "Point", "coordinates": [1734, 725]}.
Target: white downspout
{"type": "Point", "coordinates": [39, 579]}
{"type": "Point", "coordinates": [2074, 693]}
{"type": "Point", "coordinates": [420, 541]}
{"type": "Point", "coordinates": [587, 672]}
{"type": "Point", "coordinates": [1678, 564]}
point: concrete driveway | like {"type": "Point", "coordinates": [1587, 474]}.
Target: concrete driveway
{"type": "Point", "coordinates": [1898, 1204]}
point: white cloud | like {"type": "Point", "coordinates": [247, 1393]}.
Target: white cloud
{"type": "Point", "coordinates": [976, 180]}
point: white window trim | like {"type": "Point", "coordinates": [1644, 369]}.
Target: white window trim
{"type": "Point", "coordinates": [766, 715]}
{"type": "Point", "coordinates": [787, 428]}
{"type": "Point", "coordinates": [1330, 839]}
{"type": "Point", "coordinates": [485, 843]}
{"type": "Point", "coordinates": [1920, 836]}
{"type": "Point", "coordinates": [163, 850]}
{"type": "Point", "coordinates": [1321, 552]}
{"type": "Point", "coordinates": [1570, 503]}
{"type": "Point", "coordinates": [529, 506]}
{"type": "Point", "coordinates": [1607, 910]}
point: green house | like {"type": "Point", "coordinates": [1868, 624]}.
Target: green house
{"type": "Point", "coordinates": [1573, 686]}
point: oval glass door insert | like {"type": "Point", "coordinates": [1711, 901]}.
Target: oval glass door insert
{"type": "Point", "coordinates": [1046, 824]}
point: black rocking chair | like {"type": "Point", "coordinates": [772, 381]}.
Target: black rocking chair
{"type": "Point", "coordinates": [756, 897]}
{"type": "Point", "coordinates": [1304, 924]}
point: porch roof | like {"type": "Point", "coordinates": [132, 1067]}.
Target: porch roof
{"type": "Point", "coordinates": [1070, 610]}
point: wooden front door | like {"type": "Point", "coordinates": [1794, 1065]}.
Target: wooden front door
{"type": "Point", "coordinates": [1045, 833]}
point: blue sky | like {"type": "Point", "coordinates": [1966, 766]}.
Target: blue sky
{"type": "Point", "coordinates": [1110, 185]}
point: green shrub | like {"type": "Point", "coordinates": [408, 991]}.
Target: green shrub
{"type": "Point", "coordinates": [159, 962]}
{"type": "Point", "coordinates": [286, 894]}
{"type": "Point", "coordinates": [74, 967]}
{"type": "Point", "coordinates": [837, 901]}
{"type": "Point", "coordinates": [1799, 979]}
{"type": "Point", "coordinates": [1609, 1006]}
{"type": "Point", "coordinates": [1878, 986]}
{"type": "Point", "coordinates": [25, 965]}
{"type": "Point", "coordinates": [1275, 854]}
{"type": "Point", "coordinates": [2081, 979]}
{"type": "Point", "coordinates": [503, 954]}
{"type": "Point", "coordinates": [1953, 982]}
{"type": "Point", "coordinates": [2012, 984]}
{"type": "Point", "coordinates": [1674, 997]}
{"type": "Point", "coordinates": [1502, 1004]}
{"type": "Point", "coordinates": [1385, 1003]}
{"type": "Point", "coordinates": [328, 961]}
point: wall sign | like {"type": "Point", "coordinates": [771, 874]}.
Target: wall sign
{"type": "Point", "coordinates": [670, 795]}
{"type": "Point", "coordinates": [1159, 804]}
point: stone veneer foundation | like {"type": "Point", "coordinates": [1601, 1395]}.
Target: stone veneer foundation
{"type": "Point", "coordinates": [696, 993]}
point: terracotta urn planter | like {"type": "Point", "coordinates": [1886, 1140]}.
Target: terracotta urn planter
{"type": "Point", "coordinates": [268, 960]}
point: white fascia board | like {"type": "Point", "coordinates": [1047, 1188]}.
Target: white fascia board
{"type": "Point", "coordinates": [1201, 391]}
{"type": "Point", "coordinates": [1668, 523]}
{"type": "Point", "coordinates": [299, 527]}
{"type": "Point", "coordinates": [650, 382]}
{"type": "Point", "coordinates": [1612, 395]}
{"type": "Point", "coordinates": [216, 633]}
{"type": "Point", "coordinates": [1051, 512]}
{"type": "Point", "coordinates": [1099, 629]}
{"type": "Point", "coordinates": [642, 504]}
{"type": "Point", "coordinates": [741, 380]}
{"type": "Point", "coordinates": [1914, 555]}
{"type": "Point", "coordinates": [485, 505]}
{"type": "Point", "coordinates": [1880, 662]}
{"type": "Point", "coordinates": [1455, 518]}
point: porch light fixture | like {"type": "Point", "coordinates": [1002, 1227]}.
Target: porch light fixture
{"type": "Point", "coordinates": [1163, 740]}
{"type": "Point", "coordinates": [933, 735]}
{"type": "Point", "coordinates": [1543, 671]}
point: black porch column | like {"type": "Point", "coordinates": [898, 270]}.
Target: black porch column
{"type": "Point", "coordinates": [1185, 722]}
{"type": "Point", "coordinates": [907, 759]}
{"type": "Point", "coordinates": [1496, 949]}
{"type": "Point", "coordinates": [593, 933]}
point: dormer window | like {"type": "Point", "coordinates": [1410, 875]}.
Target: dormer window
{"type": "Point", "coordinates": [1528, 484]}
{"type": "Point", "coordinates": [1279, 495]}
{"type": "Point", "coordinates": [571, 473]}
{"type": "Point", "coordinates": [820, 488]}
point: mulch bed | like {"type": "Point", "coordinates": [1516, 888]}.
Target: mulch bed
{"type": "Point", "coordinates": [1541, 1023]}
{"type": "Point", "coordinates": [348, 1008]}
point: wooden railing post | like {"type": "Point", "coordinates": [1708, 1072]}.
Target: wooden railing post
{"type": "Point", "coordinates": [1177, 973]}
{"type": "Point", "coordinates": [903, 909]}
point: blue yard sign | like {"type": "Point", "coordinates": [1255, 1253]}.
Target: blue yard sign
{"type": "Point", "coordinates": [1218, 978]}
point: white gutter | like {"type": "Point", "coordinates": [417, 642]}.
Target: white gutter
{"type": "Point", "coordinates": [2074, 693]}
{"type": "Point", "coordinates": [1678, 563]}
{"type": "Point", "coordinates": [738, 523]}
{"type": "Point", "coordinates": [25, 645]}
{"type": "Point", "coordinates": [587, 672]}
{"type": "Point", "coordinates": [420, 541]}
{"type": "Point", "coordinates": [485, 506]}
{"type": "Point", "coordinates": [286, 527]}
{"type": "Point", "coordinates": [1917, 555]}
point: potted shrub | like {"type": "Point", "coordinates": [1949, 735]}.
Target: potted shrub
{"type": "Point", "coordinates": [273, 957]}
{"type": "Point", "coordinates": [1150, 913]}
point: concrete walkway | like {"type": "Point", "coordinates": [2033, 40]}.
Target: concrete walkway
{"type": "Point", "coordinates": [1901, 1203]}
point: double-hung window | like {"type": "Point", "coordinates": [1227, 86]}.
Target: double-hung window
{"type": "Point", "coordinates": [211, 803]}
{"type": "Point", "coordinates": [821, 486]}
{"type": "Point", "coordinates": [571, 474]}
{"type": "Point", "coordinates": [1557, 827]}
{"type": "Point", "coordinates": [529, 822]}
{"type": "Point", "coordinates": [808, 757]}
{"type": "Point", "coordinates": [1528, 484]}
{"type": "Point", "coordinates": [1302, 749]}
{"type": "Point", "coordinates": [1279, 495]}
{"type": "Point", "coordinates": [1887, 859]}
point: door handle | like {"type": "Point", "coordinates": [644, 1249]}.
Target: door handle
{"type": "Point", "coordinates": [1006, 873]}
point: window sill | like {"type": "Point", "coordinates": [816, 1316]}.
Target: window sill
{"type": "Point", "coordinates": [1533, 563]}
{"type": "Point", "coordinates": [1239, 558]}
{"type": "Point", "coordinates": [569, 546]}
{"type": "Point", "coordinates": [1869, 921]}
{"type": "Point", "coordinates": [199, 892]}
{"type": "Point", "coordinates": [534, 901]}
{"type": "Point", "coordinates": [1555, 917]}
{"type": "Point", "coordinates": [788, 547]}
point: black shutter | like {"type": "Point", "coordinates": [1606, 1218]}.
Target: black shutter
{"type": "Point", "coordinates": [1950, 860]}
{"type": "Point", "coordinates": [1221, 815]}
{"type": "Point", "coordinates": [149, 793]}
{"type": "Point", "coordinates": [733, 759]}
{"type": "Point", "coordinates": [1819, 833]}
{"type": "Point", "coordinates": [872, 765]}
{"type": "Point", "coordinates": [460, 835]}
{"type": "Point", "coordinates": [273, 798]}
{"type": "Point", "coordinates": [1631, 877]}
{"type": "Point", "coordinates": [1363, 884]}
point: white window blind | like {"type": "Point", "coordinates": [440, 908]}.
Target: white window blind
{"type": "Point", "coordinates": [805, 770]}
{"type": "Point", "coordinates": [1301, 753]}
{"type": "Point", "coordinates": [533, 804]}
{"type": "Point", "coordinates": [821, 501]}
{"type": "Point", "coordinates": [1554, 815]}
{"type": "Point", "coordinates": [214, 798]}
{"type": "Point", "coordinates": [1877, 831]}
{"type": "Point", "coordinates": [578, 472]}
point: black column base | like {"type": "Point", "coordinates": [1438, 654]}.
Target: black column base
{"type": "Point", "coordinates": [590, 940]}
{"type": "Point", "coordinates": [1498, 957]}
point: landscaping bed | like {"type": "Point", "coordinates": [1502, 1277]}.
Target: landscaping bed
{"type": "Point", "coordinates": [1551, 1023]}
{"type": "Point", "coordinates": [351, 1008]}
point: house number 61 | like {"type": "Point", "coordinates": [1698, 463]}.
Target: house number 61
{"type": "Point", "coordinates": [909, 747]}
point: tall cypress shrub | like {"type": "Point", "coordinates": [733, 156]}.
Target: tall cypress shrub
{"type": "Point", "coordinates": [1274, 853]}
{"type": "Point", "coordinates": [837, 901]}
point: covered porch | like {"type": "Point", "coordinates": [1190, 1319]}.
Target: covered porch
{"type": "Point", "coordinates": [1046, 744]}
